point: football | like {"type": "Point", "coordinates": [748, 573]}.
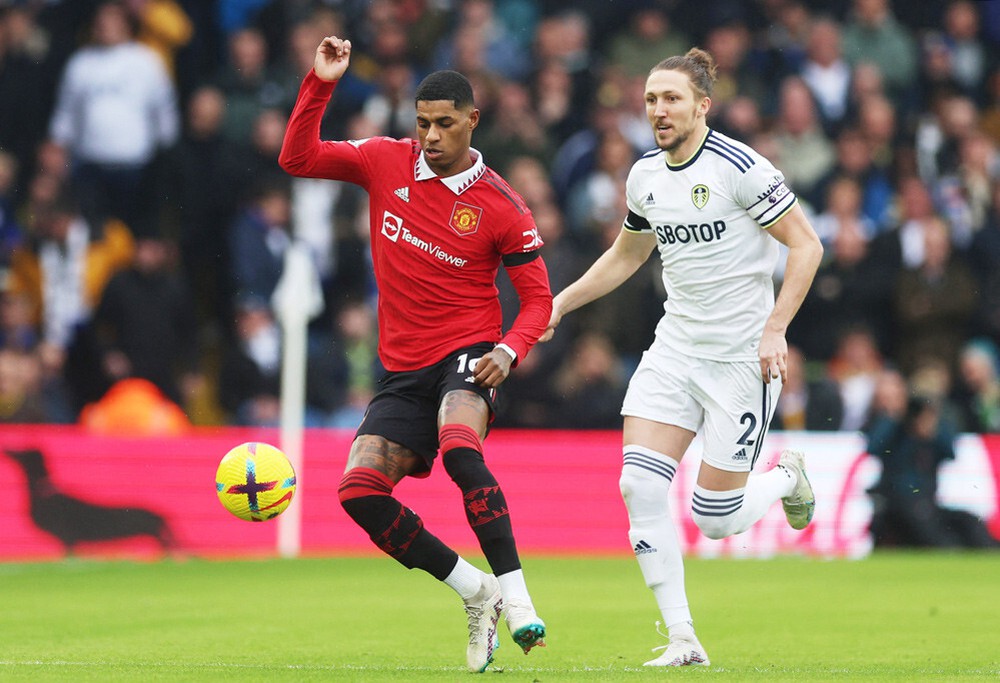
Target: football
{"type": "Point", "coordinates": [255, 481]}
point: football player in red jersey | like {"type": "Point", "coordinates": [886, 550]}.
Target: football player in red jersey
{"type": "Point", "coordinates": [442, 223]}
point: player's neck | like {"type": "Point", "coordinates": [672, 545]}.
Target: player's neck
{"type": "Point", "coordinates": [689, 147]}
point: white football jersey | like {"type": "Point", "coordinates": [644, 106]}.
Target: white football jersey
{"type": "Point", "coordinates": [710, 215]}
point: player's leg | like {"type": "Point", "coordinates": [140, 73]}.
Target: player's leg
{"type": "Point", "coordinates": [374, 467]}
{"type": "Point", "coordinates": [738, 411]}
{"type": "Point", "coordinates": [652, 452]}
{"type": "Point", "coordinates": [463, 418]}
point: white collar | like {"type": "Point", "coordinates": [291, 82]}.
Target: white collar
{"type": "Point", "coordinates": [458, 183]}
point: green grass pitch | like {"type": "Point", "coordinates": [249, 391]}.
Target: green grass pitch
{"type": "Point", "coordinates": [892, 617]}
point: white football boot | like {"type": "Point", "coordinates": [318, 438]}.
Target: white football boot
{"type": "Point", "coordinates": [682, 650]}
{"type": "Point", "coordinates": [483, 610]}
{"type": "Point", "coordinates": [800, 504]}
{"type": "Point", "coordinates": [526, 628]}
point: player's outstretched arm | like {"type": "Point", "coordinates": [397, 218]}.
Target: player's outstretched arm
{"type": "Point", "coordinates": [332, 58]}
{"type": "Point", "coordinates": [617, 264]}
{"type": "Point", "coordinates": [804, 254]}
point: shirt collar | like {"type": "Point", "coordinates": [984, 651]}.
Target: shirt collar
{"type": "Point", "coordinates": [458, 183]}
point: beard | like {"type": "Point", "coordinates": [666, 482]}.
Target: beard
{"type": "Point", "coordinates": [676, 143]}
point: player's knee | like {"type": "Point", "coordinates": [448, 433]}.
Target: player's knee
{"type": "Point", "coordinates": [642, 491]}
{"type": "Point", "coordinates": [361, 491]}
{"type": "Point", "coordinates": [717, 513]}
{"type": "Point", "coordinates": [715, 527]}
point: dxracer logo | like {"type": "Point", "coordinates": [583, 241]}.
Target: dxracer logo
{"type": "Point", "coordinates": [392, 227]}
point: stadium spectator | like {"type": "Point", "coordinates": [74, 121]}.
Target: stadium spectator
{"type": "Point", "coordinates": [872, 34]}
{"type": "Point", "coordinates": [967, 55]}
{"type": "Point", "coordinates": [63, 271]}
{"type": "Point", "coordinates": [849, 289]}
{"type": "Point", "coordinates": [856, 367]}
{"type": "Point", "coordinates": [356, 346]}
{"type": "Point", "coordinates": [590, 384]}
{"type": "Point", "coordinates": [827, 74]}
{"type": "Point", "coordinates": [912, 448]}
{"type": "Point", "coordinates": [879, 126]}
{"type": "Point", "coordinates": [552, 100]}
{"type": "Point", "coordinates": [250, 371]}
{"type": "Point", "coordinates": [11, 233]}
{"type": "Point", "coordinates": [480, 31]}
{"type": "Point", "coordinates": [965, 196]}
{"type": "Point", "coordinates": [649, 31]}
{"type": "Point", "coordinates": [781, 50]}
{"type": "Point", "coordinates": [806, 403]}
{"type": "Point", "coordinates": [116, 111]}
{"type": "Point", "coordinates": [258, 240]}
{"type": "Point", "coordinates": [145, 324]}
{"type": "Point", "coordinates": [28, 75]}
{"type": "Point", "coordinates": [441, 384]}
{"type": "Point", "coordinates": [164, 27]}
{"type": "Point", "coordinates": [596, 197]}
{"type": "Point", "coordinates": [804, 152]}
{"type": "Point", "coordinates": [979, 386]}
{"type": "Point", "coordinates": [201, 181]}
{"type": "Point", "coordinates": [694, 375]}
{"type": "Point", "coordinates": [855, 160]}
{"type": "Point", "coordinates": [249, 84]}
{"type": "Point", "coordinates": [21, 398]}
{"type": "Point", "coordinates": [515, 131]}
{"type": "Point", "coordinates": [249, 382]}
{"type": "Point", "coordinates": [933, 304]}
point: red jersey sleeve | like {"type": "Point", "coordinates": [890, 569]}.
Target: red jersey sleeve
{"type": "Point", "coordinates": [531, 280]}
{"type": "Point", "coordinates": [304, 154]}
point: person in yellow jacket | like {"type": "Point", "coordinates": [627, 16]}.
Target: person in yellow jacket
{"type": "Point", "coordinates": [62, 271]}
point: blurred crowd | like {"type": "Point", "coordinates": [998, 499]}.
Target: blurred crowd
{"type": "Point", "coordinates": [144, 218]}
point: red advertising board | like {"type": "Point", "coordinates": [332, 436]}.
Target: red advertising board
{"type": "Point", "coordinates": [562, 488]}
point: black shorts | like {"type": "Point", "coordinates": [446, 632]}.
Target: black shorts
{"type": "Point", "coordinates": [405, 408]}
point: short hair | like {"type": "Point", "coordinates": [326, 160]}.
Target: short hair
{"type": "Point", "coordinates": [446, 85]}
{"type": "Point", "coordinates": [697, 64]}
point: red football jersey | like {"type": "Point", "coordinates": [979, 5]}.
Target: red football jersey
{"type": "Point", "coordinates": [436, 243]}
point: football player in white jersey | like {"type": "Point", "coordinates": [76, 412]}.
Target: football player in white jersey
{"type": "Point", "coordinates": [716, 211]}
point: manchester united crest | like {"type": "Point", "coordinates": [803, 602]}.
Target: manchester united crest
{"type": "Point", "coordinates": [465, 219]}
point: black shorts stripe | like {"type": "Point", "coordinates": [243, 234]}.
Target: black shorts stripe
{"type": "Point", "coordinates": [765, 421]}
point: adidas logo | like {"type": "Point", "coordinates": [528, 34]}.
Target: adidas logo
{"type": "Point", "coordinates": [643, 548]}
{"type": "Point", "coordinates": [403, 193]}
{"type": "Point", "coordinates": [740, 455]}
{"type": "Point", "coordinates": [649, 199]}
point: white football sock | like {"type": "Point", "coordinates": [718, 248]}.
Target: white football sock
{"type": "Point", "coordinates": [645, 482]}
{"type": "Point", "coordinates": [513, 587]}
{"type": "Point", "coordinates": [720, 514]}
{"type": "Point", "coordinates": [464, 579]}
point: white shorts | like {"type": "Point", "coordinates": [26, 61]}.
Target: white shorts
{"type": "Point", "coordinates": [730, 400]}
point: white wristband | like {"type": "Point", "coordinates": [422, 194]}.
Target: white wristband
{"type": "Point", "coordinates": [509, 351]}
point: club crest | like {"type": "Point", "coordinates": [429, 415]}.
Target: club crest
{"type": "Point", "coordinates": [699, 195]}
{"type": "Point", "coordinates": [465, 218]}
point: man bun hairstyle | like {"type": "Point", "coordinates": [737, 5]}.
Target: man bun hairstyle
{"type": "Point", "coordinates": [699, 66]}
{"type": "Point", "coordinates": [446, 85]}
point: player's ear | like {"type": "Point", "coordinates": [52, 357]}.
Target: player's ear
{"type": "Point", "coordinates": [705, 105]}
{"type": "Point", "coordinates": [473, 119]}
